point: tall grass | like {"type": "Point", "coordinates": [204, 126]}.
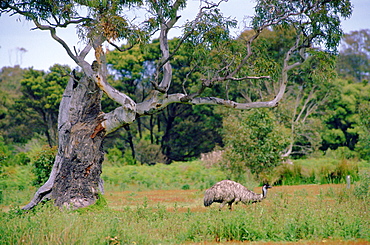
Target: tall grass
{"type": "Point", "coordinates": [288, 219]}
{"type": "Point", "coordinates": [179, 175]}
{"type": "Point", "coordinates": [16, 185]}
{"type": "Point", "coordinates": [16, 181]}
{"type": "Point", "coordinates": [317, 171]}
{"type": "Point", "coordinates": [340, 214]}
{"type": "Point", "coordinates": [333, 214]}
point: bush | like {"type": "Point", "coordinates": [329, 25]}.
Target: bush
{"type": "Point", "coordinates": [43, 164]}
{"type": "Point", "coordinates": [148, 153]}
{"type": "Point", "coordinates": [253, 141]}
{"type": "Point", "coordinates": [340, 172]}
{"type": "Point", "coordinates": [315, 171]}
{"type": "Point", "coordinates": [341, 153]}
{"type": "Point", "coordinates": [362, 187]}
{"type": "Point", "coordinates": [293, 174]}
{"type": "Point", "coordinates": [5, 154]}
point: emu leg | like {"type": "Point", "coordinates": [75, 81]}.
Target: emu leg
{"type": "Point", "coordinates": [222, 205]}
{"type": "Point", "coordinates": [230, 206]}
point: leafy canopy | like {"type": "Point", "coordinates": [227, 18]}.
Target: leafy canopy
{"type": "Point", "coordinates": [318, 20]}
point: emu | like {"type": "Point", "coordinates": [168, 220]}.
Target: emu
{"type": "Point", "coordinates": [228, 192]}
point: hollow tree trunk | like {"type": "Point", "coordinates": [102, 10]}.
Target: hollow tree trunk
{"type": "Point", "coordinates": [75, 179]}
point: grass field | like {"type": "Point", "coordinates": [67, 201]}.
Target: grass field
{"type": "Point", "coordinates": [304, 214]}
{"type": "Point", "coordinates": [163, 204]}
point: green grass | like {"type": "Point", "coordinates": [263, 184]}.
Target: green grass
{"type": "Point", "coordinates": [16, 185]}
{"type": "Point", "coordinates": [179, 175]}
{"type": "Point", "coordinates": [319, 171]}
{"type": "Point", "coordinates": [333, 214]}
{"type": "Point", "coordinates": [16, 181]}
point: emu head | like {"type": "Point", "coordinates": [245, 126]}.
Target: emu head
{"type": "Point", "coordinates": [264, 189]}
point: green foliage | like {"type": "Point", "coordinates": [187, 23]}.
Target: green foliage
{"type": "Point", "coordinates": [182, 132]}
{"type": "Point", "coordinates": [362, 187]}
{"type": "Point", "coordinates": [322, 18]}
{"type": "Point", "coordinates": [147, 153]}
{"type": "Point", "coordinates": [178, 175]}
{"type": "Point", "coordinates": [9, 92]}
{"type": "Point", "coordinates": [343, 127]}
{"type": "Point", "coordinates": [253, 141]}
{"type": "Point", "coordinates": [114, 157]}
{"type": "Point", "coordinates": [36, 109]}
{"type": "Point", "coordinates": [5, 153]}
{"type": "Point", "coordinates": [43, 91]}
{"type": "Point", "coordinates": [363, 145]}
{"type": "Point", "coordinates": [316, 171]}
{"type": "Point", "coordinates": [43, 164]}
{"type": "Point", "coordinates": [193, 131]}
{"type": "Point", "coordinates": [15, 184]}
{"type": "Point", "coordinates": [10, 157]}
{"type": "Point", "coordinates": [210, 30]}
{"type": "Point", "coordinates": [353, 60]}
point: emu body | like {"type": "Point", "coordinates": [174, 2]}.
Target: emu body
{"type": "Point", "coordinates": [228, 192]}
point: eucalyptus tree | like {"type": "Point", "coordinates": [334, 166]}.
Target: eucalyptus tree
{"type": "Point", "coordinates": [75, 178]}
{"type": "Point", "coordinates": [183, 131]}
{"type": "Point", "coordinates": [353, 60]}
{"type": "Point", "coordinates": [10, 91]}
{"type": "Point", "coordinates": [308, 96]}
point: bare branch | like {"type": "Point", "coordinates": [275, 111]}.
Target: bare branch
{"type": "Point", "coordinates": [85, 51]}
{"type": "Point", "coordinates": [307, 100]}
{"type": "Point", "coordinates": [118, 48]}
{"type": "Point", "coordinates": [157, 103]}
{"type": "Point", "coordinates": [247, 77]}
{"type": "Point", "coordinates": [57, 38]}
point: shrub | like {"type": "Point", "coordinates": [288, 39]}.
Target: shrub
{"type": "Point", "coordinates": [341, 153]}
{"type": "Point", "coordinates": [293, 174]}
{"type": "Point", "coordinates": [148, 153]}
{"type": "Point", "coordinates": [43, 164]}
{"type": "Point", "coordinates": [341, 170]}
{"type": "Point", "coordinates": [22, 158]}
{"type": "Point", "coordinates": [362, 187]}
{"type": "Point", "coordinates": [253, 141]}
{"type": "Point", "coordinates": [114, 157]}
{"type": "Point", "coordinates": [5, 154]}
{"type": "Point", "coordinates": [315, 171]}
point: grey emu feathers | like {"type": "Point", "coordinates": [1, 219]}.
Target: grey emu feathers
{"type": "Point", "coordinates": [228, 192]}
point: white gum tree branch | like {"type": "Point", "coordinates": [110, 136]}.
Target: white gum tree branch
{"type": "Point", "coordinates": [158, 98]}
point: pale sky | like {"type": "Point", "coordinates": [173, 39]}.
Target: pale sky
{"type": "Point", "coordinates": [19, 45]}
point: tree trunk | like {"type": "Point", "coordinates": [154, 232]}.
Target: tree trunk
{"type": "Point", "coordinates": [75, 179]}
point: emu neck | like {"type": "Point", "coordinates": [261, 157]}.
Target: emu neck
{"type": "Point", "coordinates": [264, 192]}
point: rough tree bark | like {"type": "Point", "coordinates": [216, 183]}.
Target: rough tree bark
{"type": "Point", "coordinates": [75, 179]}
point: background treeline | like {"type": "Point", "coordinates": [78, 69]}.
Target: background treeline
{"type": "Point", "coordinates": [326, 110]}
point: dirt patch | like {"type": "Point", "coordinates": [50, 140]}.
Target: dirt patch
{"type": "Point", "coordinates": [184, 200]}
{"type": "Point", "coordinates": [181, 200]}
